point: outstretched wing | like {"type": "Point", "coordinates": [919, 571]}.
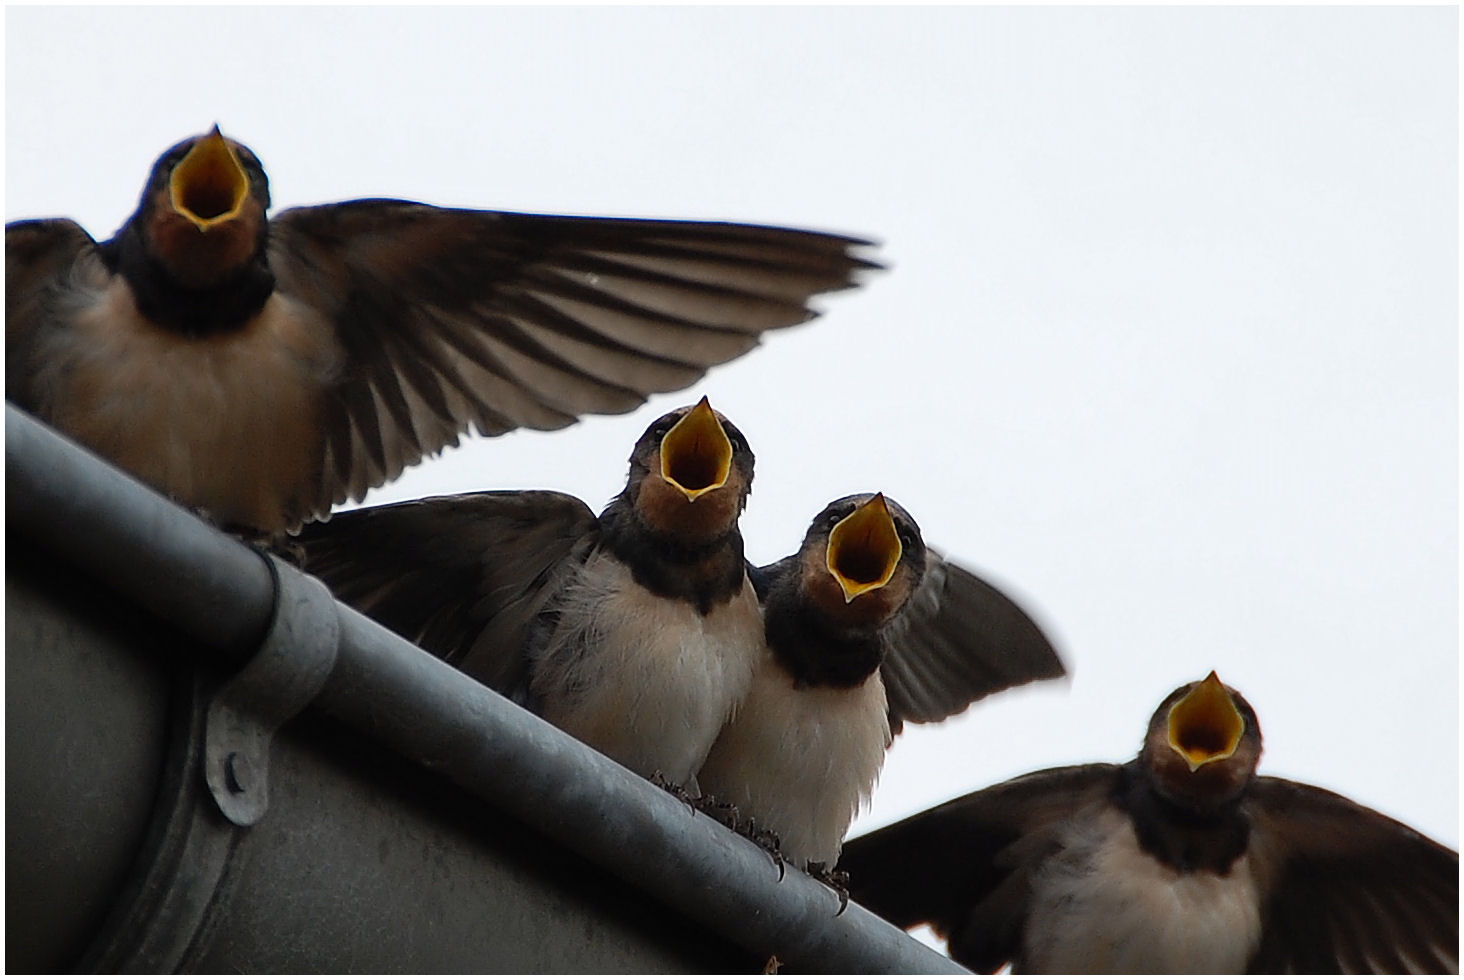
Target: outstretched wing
{"type": "Point", "coordinates": [461, 576]}
{"type": "Point", "coordinates": [964, 867]}
{"type": "Point", "coordinates": [453, 317]}
{"type": "Point", "coordinates": [958, 639]}
{"type": "Point", "coordinates": [1349, 890]}
{"type": "Point", "coordinates": [38, 258]}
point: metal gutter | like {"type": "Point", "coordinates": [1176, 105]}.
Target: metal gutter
{"type": "Point", "coordinates": [216, 590]}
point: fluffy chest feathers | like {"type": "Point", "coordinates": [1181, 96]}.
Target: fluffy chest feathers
{"type": "Point", "coordinates": [1104, 906]}
{"type": "Point", "coordinates": [647, 680]}
{"type": "Point", "coordinates": [801, 761]}
{"type": "Point", "coordinates": [229, 423]}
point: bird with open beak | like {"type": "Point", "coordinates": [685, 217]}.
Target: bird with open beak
{"type": "Point", "coordinates": [867, 628]}
{"type": "Point", "coordinates": [1182, 861]}
{"type": "Point", "coordinates": [262, 370]}
{"type": "Point", "coordinates": [636, 631]}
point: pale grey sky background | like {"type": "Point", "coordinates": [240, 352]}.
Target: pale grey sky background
{"type": "Point", "coordinates": [1168, 346]}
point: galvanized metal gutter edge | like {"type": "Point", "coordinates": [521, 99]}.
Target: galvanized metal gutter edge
{"type": "Point", "coordinates": [217, 590]}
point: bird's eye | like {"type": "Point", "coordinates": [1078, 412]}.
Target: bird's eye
{"type": "Point", "coordinates": [737, 444]}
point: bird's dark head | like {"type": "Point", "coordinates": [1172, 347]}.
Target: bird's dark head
{"type": "Point", "coordinates": [690, 474]}
{"type": "Point", "coordinates": [861, 560]}
{"type": "Point", "coordinates": [1203, 745]}
{"type": "Point", "coordinates": [202, 214]}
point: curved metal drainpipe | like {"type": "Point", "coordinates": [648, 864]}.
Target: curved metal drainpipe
{"type": "Point", "coordinates": [307, 648]}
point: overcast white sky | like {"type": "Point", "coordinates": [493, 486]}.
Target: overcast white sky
{"type": "Point", "coordinates": [1168, 345]}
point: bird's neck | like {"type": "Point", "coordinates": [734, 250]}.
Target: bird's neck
{"type": "Point", "coordinates": [1183, 837]}
{"type": "Point", "coordinates": [220, 308]}
{"type": "Point", "coordinates": [815, 651]}
{"type": "Point", "coordinates": [708, 574]}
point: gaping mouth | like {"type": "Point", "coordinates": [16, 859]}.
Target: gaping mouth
{"type": "Point", "coordinates": [1204, 725]}
{"type": "Point", "coordinates": [864, 549]}
{"type": "Point", "coordinates": [696, 455]}
{"type": "Point", "coordinates": [209, 185]}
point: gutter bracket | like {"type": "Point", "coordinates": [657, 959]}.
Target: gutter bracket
{"type": "Point", "coordinates": [284, 675]}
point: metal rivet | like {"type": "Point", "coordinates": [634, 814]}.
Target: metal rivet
{"type": "Point", "coordinates": [237, 772]}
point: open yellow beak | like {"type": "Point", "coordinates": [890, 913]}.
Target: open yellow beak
{"type": "Point", "coordinates": [864, 549]}
{"type": "Point", "coordinates": [696, 455]}
{"type": "Point", "coordinates": [209, 185]}
{"type": "Point", "coordinates": [1204, 725]}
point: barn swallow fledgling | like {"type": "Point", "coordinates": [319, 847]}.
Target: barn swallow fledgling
{"type": "Point", "coordinates": [867, 629]}
{"type": "Point", "coordinates": [1181, 861]}
{"type": "Point", "coordinates": [636, 632]}
{"type": "Point", "coordinates": [263, 369]}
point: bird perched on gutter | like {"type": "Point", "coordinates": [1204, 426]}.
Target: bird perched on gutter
{"type": "Point", "coordinates": [867, 629]}
{"type": "Point", "coordinates": [263, 369]}
{"type": "Point", "coordinates": [636, 631]}
{"type": "Point", "coordinates": [1181, 861]}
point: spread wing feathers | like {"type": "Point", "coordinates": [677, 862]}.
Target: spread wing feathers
{"type": "Point", "coordinates": [460, 576]}
{"type": "Point", "coordinates": [957, 640]}
{"type": "Point", "coordinates": [1349, 890]}
{"type": "Point", "coordinates": [963, 866]}
{"type": "Point", "coordinates": [450, 318]}
{"type": "Point", "coordinates": [38, 254]}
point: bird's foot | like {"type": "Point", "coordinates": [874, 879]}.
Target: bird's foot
{"type": "Point", "coordinates": [287, 548]}
{"type": "Point", "coordinates": [659, 780]}
{"type": "Point", "coordinates": [728, 816]}
{"type": "Point", "coordinates": [283, 546]}
{"type": "Point", "coordinates": [724, 813]}
{"type": "Point", "coordinates": [837, 880]}
{"type": "Point", "coordinates": [765, 839]}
